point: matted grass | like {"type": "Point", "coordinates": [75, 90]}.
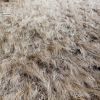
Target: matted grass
{"type": "Point", "coordinates": [50, 50]}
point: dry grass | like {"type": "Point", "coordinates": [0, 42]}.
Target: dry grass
{"type": "Point", "coordinates": [50, 50]}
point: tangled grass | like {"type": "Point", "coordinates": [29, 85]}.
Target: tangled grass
{"type": "Point", "coordinates": [50, 50]}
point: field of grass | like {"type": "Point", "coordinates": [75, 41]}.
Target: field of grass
{"type": "Point", "coordinates": [50, 50]}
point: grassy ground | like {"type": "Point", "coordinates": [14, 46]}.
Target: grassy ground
{"type": "Point", "coordinates": [50, 50]}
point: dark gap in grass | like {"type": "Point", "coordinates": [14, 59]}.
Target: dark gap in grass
{"type": "Point", "coordinates": [95, 67]}
{"type": "Point", "coordinates": [6, 0]}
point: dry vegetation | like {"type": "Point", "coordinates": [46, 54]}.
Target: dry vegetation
{"type": "Point", "coordinates": [50, 50]}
